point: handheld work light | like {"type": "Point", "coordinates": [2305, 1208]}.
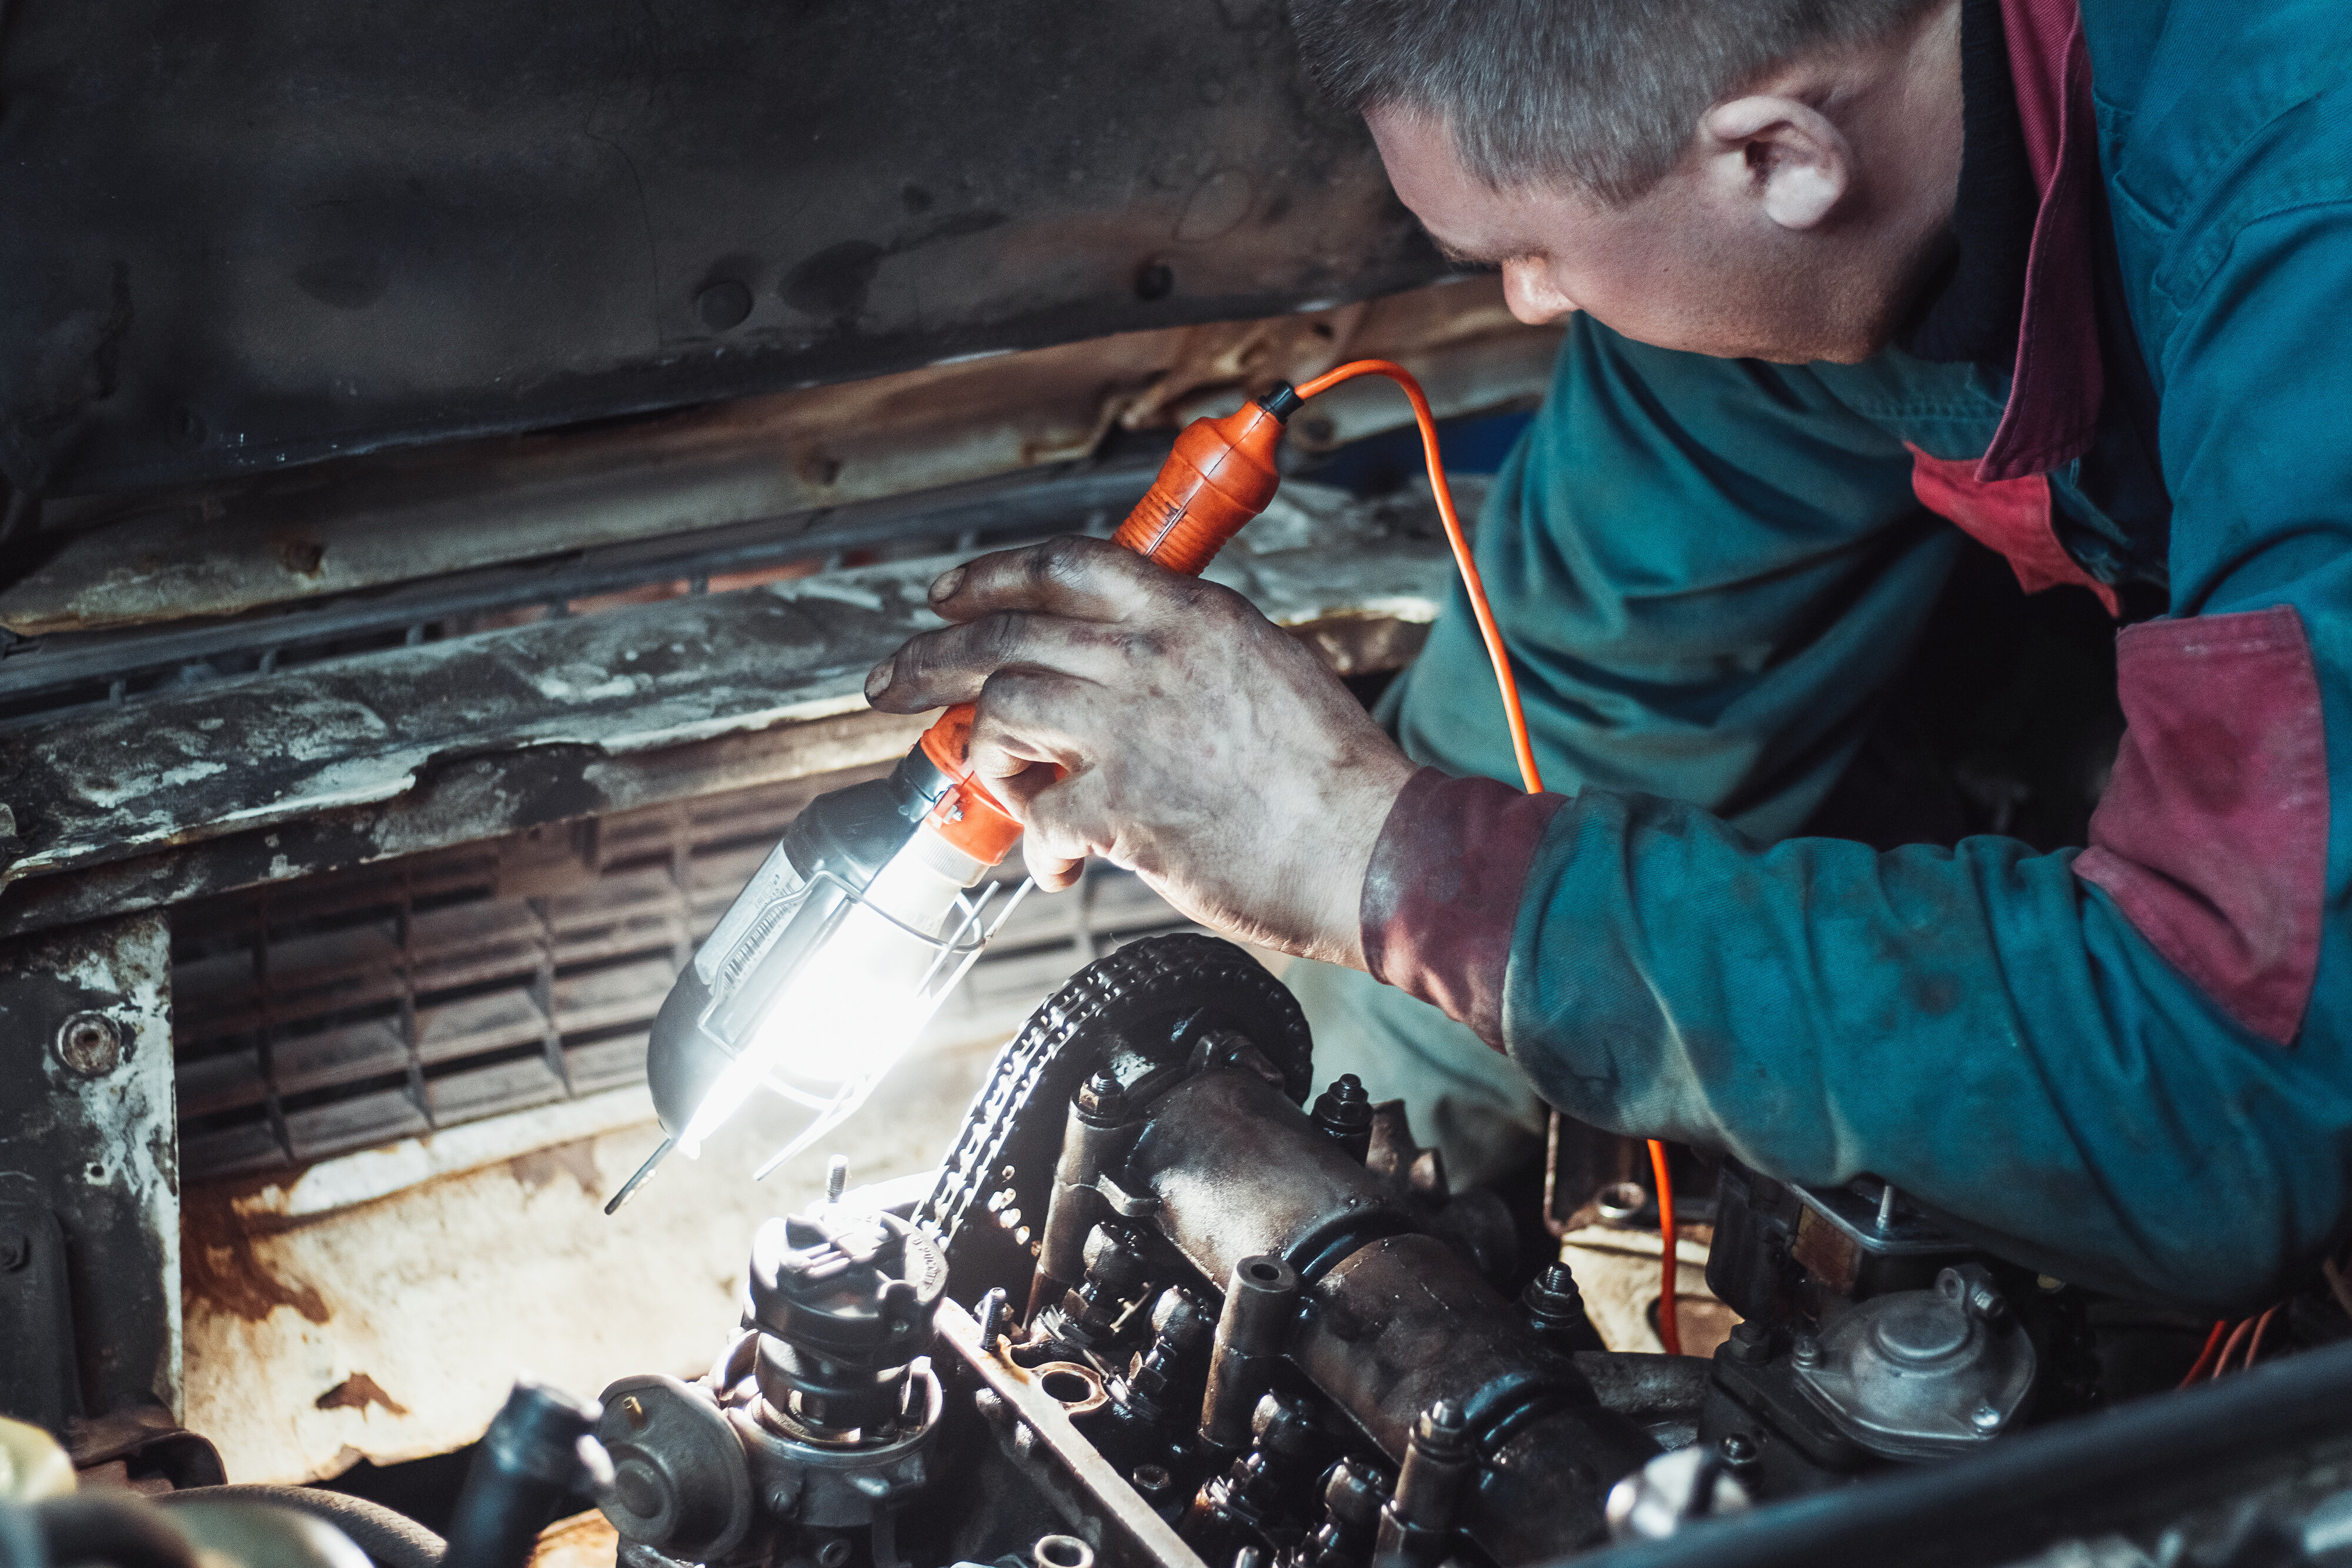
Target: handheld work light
{"type": "Point", "coordinates": [838, 952]}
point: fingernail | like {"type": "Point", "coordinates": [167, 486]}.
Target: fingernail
{"type": "Point", "coordinates": [947, 583]}
{"type": "Point", "coordinates": [878, 679]}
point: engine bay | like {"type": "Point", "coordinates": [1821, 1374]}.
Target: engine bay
{"type": "Point", "coordinates": [1170, 1303]}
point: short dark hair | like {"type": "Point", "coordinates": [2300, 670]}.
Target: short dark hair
{"type": "Point", "coordinates": [1601, 95]}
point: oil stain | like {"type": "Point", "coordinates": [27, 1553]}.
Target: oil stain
{"type": "Point", "coordinates": [220, 1268]}
{"type": "Point", "coordinates": [357, 1391]}
{"type": "Point", "coordinates": [576, 1159]}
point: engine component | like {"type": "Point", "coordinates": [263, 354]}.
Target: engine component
{"type": "Point", "coordinates": [2239, 1472]}
{"type": "Point", "coordinates": [816, 1421]}
{"type": "Point", "coordinates": [1871, 1335]}
{"type": "Point", "coordinates": [1259, 1337]}
{"type": "Point", "coordinates": [1345, 1112]}
{"type": "Point", "coordinates": [1417, 1523]}
{"type": "Point", "coordinates": [1354, 1491]}
{"type": "Point", "coordinates": [680, 1481]}
{"type": "Point", "coordinates": [1919, 1373]}
{"type": "Point", "coordinates": [1555, 1310]}
{"type": "Point", "coordinates": [842, 1301]}
{"type": "Point", "coordinates": [1261, 1299]}
{"type": "Point", "coordinates": [1136, 1013]}
{"type": "Point", "coordinates": [538, 1450]}
{"type": "Point", "coordinates": [1671, 1491]}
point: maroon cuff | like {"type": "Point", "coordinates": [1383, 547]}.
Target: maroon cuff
{"type": "Point", "coordinates": [1442, 893]}
{"type": "Point", "coordinates": [2212, 835]}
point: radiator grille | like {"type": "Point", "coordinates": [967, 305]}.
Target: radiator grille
{"type": "Point", "coordinates": [342, 1012]}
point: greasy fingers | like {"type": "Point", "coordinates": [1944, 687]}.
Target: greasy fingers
{"type": "Point", "coordinates": [953, 665]}
{"type": "Point", "coordinates": [1087, 579]}
{"type": "Point", "coordinates": [1028, 718]}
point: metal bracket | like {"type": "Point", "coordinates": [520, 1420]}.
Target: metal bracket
{"type": "Point", "coordinates": [1123, 1203]}
{"type": "Point", "coordinates": [36, 1343]}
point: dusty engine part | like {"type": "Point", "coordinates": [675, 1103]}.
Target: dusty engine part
{"type": "Point", "coordinates": [1916, 1373]}
{"type": "Point", "coordinates": [1211, 1329]}
{"type": "Point", "coordinates": [1192, 1133]}
{"type": "Point", "coordinates": [817, 1420]}
{"type": "Point", "coordinates": [1871, 1337]}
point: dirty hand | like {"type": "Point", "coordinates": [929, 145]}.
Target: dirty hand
{"type": "Point", "coordinates": [1205, 749]}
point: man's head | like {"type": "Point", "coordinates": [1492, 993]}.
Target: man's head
{"type": "Point", "coordinates": [1772, 179]}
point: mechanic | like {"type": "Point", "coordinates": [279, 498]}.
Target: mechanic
{"type": "Point", "coordinates": [1837, 275]}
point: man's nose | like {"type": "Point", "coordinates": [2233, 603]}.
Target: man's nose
{"type": "Point", "coordinates": [1528, 290]}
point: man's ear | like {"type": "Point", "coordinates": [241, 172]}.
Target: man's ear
{"type": "Point", "coordinates": [1783, 153]}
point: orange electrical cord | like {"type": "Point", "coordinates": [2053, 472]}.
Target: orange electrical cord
{"type": "Point", "coordinates": [2237, 1337]}
{"type": "Point", "coordinates": [1669, 1322]}
{"type": "Point", "coordinates": [2261, 1327]}
{"type": "Point", "coordinates": [1492, 634]}
{"type": "Point", "coordinates": [2205, 1357]}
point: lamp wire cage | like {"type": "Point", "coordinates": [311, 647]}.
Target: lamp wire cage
{"type": "Point", "coordinates": [952, 955]}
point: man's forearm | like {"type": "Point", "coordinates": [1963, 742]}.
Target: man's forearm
{"type": "Point", "coordinates": [1977, 1026]}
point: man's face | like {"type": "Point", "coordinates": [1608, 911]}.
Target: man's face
{"type": "Point", "coordinates": [1692, 263]}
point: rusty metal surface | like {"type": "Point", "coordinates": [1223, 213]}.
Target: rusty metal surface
{"type": "Point", "coordinates": [272, 234]}
{"type": "Point", "coordinates": [88, 1137]}
{"type": "Point", "coordinates": [269, 777]}
{"type": "Point", "coordinates": [793, 457]}
{"type": "Point", "coordinates": [390, 1327]}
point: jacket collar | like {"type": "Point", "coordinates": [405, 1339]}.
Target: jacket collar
{"type": "Point", "coordinates": [2054, 393]}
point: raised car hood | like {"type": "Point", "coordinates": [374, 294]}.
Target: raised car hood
{"type": "Point", "coordinates": [257, 233]}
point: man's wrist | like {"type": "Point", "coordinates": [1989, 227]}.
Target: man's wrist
{"type": "Point", "coordinates": [1441, 896]}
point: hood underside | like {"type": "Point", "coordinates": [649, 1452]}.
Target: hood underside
{"type": "Point", "coordinates": [262, 233]}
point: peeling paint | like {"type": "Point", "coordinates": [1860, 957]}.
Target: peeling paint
{"type": "Point", "coordinates": [397, 516]}
{"type": "Point", "coordinates": [99, 1147]}
{"type": "Point", "coordinates": [468, 716]}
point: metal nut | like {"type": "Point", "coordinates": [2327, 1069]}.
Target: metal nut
{"type": "Point", "coordinates": [89, 1044]}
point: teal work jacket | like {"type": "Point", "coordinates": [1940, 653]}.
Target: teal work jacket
{"type": "Point", "coordinates": [2130, 1065]}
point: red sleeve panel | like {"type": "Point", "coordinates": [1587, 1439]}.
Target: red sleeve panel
{"type": "Point", "coordinates": [2213, 836]}
{"type": "Point", "coordinates": [1441, 895]}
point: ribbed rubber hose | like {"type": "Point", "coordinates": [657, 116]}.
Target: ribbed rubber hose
{"type": "Point", "coordinates": [390, 1538]}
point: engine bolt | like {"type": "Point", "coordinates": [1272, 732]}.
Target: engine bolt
{"type": "Point", "coordinates": [1986, 1419]}
{"type": "Point", "coordinates": [1442, 1428]}
{"type": "Point", "coordinates": [1344, 1112]}
{"type": "Point", "coordinates": [1739, 1450]}
{"type": "Point", "coordinates": [1807, 1351]}
{"type": "Point", "coordinates": [836, 1177]}
{"type": "Point", "coordinates": [1102, 1098]}
{"type": "Point", "coordinates": [89, 1044]}
{"type": "Point", "coordinates": [992, 1319]}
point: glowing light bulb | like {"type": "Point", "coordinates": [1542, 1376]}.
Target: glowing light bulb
{"type": "Point", "coordinates": [825, 968]}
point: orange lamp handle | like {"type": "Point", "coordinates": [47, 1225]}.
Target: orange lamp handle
{"type": "Point", "coordinates": [1220, 476]}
